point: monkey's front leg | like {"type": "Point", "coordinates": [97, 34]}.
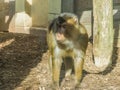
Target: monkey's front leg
{"type": "Point", "coordinates": [78, 66]}
{"type": "Point", "coordinates": [56, 67]}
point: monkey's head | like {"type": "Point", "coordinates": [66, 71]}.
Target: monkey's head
{"type": "Point", "coordinates": [68, 18]}
{"type": "Point", "coordinates": [64, 26]}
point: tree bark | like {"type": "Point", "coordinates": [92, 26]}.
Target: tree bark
{"type": "Point", "coordinates": [103, 32]}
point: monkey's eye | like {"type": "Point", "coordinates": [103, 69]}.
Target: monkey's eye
{"type": "Point", "coordinates": [64, 25]}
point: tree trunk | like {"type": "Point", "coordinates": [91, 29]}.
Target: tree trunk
{"type": "Point", "coordinates": [103, 32]}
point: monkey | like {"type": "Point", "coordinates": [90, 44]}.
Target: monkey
{"type": "Point", "coordinates": [67, 39]}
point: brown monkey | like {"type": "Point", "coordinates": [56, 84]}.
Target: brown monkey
{"type": "Point", "coordinates": [67, 39]}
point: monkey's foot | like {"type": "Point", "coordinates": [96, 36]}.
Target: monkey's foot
{"type": "Point", "coordinates": [54, 86]}
{"type": "Point", "coordinates": [77, 86]}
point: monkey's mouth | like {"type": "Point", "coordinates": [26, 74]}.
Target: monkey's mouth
{"type": "Point", "coordinates": [60, 37]}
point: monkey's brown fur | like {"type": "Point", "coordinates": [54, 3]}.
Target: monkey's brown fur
{"type": "Point", "coordinates": [67, 39]}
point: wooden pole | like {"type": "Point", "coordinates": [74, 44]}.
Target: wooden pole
{"type": "Point", "coordinates": [103, 32]}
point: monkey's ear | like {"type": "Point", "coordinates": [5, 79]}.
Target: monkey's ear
{"type": "Point", "coordinates": [75, 19]}
{"type": "Point", "coordinates": [61, 20]}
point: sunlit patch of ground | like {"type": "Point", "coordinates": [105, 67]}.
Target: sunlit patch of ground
{"type": "Point", "coordinates": [24, 66]}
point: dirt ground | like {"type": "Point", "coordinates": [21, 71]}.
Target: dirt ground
{"type": "Point", "coordinates": [23, 66]}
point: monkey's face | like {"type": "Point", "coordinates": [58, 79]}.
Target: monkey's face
{"type": "Point", "coordinates": [65, 26]}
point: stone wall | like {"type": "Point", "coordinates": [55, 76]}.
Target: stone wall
{"type": "Point", "coordinates": [29, 13]}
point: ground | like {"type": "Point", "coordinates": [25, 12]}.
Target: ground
{"type": "Point", "coordinates": [24, 66]}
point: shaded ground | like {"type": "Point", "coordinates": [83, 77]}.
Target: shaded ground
{"type": "Point", "coordinates": [23, 66]}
